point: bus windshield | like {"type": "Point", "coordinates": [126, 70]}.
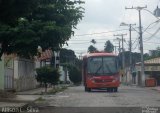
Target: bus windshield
{"type": "Point", "coordinates": [102, 65]}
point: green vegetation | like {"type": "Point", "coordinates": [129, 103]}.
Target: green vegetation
{"type": "Point", "coordinates": [57, 89]}
{"type": "Point", "coordinates": [92, 49]}
{"type": "Point", "coordinates": [153, 54]}
{"type": "Point", "coordinates": [67, 56]}
{"type": "Point", "coordinates": [75, 74]}
{"type": "Point", "coordinates": [27, 24]}
{"type": "Point", "coordinates": [40, 99]}
{"type": "Point", "coordinates": [136, 57]}
{"type": "Point", "coordinates": [72, 64]}
{"type": "Point", "coordinates": [47, 75]}
{"type": "Point", "coordinates": [109, 47]}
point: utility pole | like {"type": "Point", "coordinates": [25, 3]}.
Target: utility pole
{"type": "Point", "coordinates": [141, 43]}
{"type": "Point", "coordinates": [130, 44]}
{"type": "Point", "coordinates": [119, 44]}
{"type": "Point", "coordinates": [115, 49]}
{"type": "Point", "coordinates": [130, 49]}
{"type": "Point", "coordinates": [123, 57]}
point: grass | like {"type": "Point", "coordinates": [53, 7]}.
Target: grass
{"type": "Point", "coordinates": [57, 89]}
{"type": "Point", "coordinates": [40, 99]}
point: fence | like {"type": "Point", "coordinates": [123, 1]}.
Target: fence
{"type": "Point", "coordinates": [26, 75]}
{"type": "Point", "coordinates": [8, 73]}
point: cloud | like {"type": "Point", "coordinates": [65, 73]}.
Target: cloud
{"type": "Point", "coordinates": [106, 15]}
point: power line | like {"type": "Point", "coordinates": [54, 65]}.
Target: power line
{"type": "Point", "coordinates": [147, 39]}
{"type": "Point", "coordinates": [151, 24]}
{"type": "Point", "coordinates": [101, 32]}
{"type": "Point", "coordinates": [135, 41]}
{"type": "Point", "coordinates": [153, 34]}
{"type": "Point", "coordinates": [153, 42]}
{"type": "Point", "coordinates": [97, 39]}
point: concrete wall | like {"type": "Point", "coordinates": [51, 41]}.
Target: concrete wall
{"type": "Point", "coordinates": [24, 75]}
{"type": "Point", "coordinates": [62, 74]}
{"type": "Point", "coordinates": [2, 74]}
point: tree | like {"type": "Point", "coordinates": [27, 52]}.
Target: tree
{"type": "Point", "coordinates": [93, 41]}
{"type": "Point", "coordinates": [12, 12]}
{"type": "Point", "coordinates": [25, 25]}
{"type": "Point", "coordinates": [92, 49]}
{"type": "Point", "coordinates": [67, 56]}
{"type": "Point", "coordinates": [47, 75]}
{"type": "Point", "coordinates": [135, 58]}
{"type": "Point", "coordinates": [146, 56]}
{"type": "Point", "coordinates": [108, 47]}
{"type": "Point", "coordinates": [75, 74]}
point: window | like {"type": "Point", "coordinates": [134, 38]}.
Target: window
{"type": "Point", "coordinates": [102, 65]}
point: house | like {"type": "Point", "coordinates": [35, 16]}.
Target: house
{"type": "Point", "coordinates": [151, 69]}
{"type": "Point", "coordinates": [44, 59]}
{"type": "Point", "coordinates": [48, 57]}
{"type": "Point", "coordinates": [19, 74]}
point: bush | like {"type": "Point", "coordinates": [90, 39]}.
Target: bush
{"type": "Point", "coordinates": [75, 74]}
{"type": "Point", "coordinates": [47, 75]}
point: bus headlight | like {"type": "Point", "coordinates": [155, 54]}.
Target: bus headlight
{"type": "Point", "coordinates": [93, 81]}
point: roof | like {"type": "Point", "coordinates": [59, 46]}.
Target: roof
{"type": "Point", "coordinates": [47, 54]}
{"type": "Point", "coordinates": [151, 61]}
{"type": "Point", "coordinates": [100, 54]}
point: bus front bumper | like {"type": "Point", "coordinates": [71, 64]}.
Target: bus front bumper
{"type": "Point", "coordinates": [103, 85]}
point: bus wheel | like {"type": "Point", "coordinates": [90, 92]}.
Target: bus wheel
{"type": "Point", "coordinates": [87, 89]}
{"type": "Point", "coordinates": [109, 89]}
{"type": "Point", "coordinates": [116, 89]}
{"type": "Point", "coordinates": [112, 89]}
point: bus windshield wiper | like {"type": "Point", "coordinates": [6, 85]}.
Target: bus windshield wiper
{"type": "Point", "coordinates": [98, 69]}
{"type": "Point", "coordinates": [108, 68]}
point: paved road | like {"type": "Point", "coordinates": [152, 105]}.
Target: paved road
{"type": "Point", "coordinates": [127, 96]}
{"type": "Point", "coordinates": [127, 100]}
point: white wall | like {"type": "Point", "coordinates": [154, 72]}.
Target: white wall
{"type": "Point", "coordinates": [62, 74]}
{"type": "Point", "coordinates": [24, 74]}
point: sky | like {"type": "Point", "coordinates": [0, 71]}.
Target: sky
{"type": "Point", "coordinates": [102, 19]}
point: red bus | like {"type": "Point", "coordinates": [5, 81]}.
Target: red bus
{"type": "Point", "coordinates": [101, 70]}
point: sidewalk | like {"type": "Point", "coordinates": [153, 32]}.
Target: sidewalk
{"type": "Point", "coordinates": [157, 88]}
{"type": "Point", "coordinates": [22, 99]}
{"type": "Point", "coordinates": [37, 91]}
